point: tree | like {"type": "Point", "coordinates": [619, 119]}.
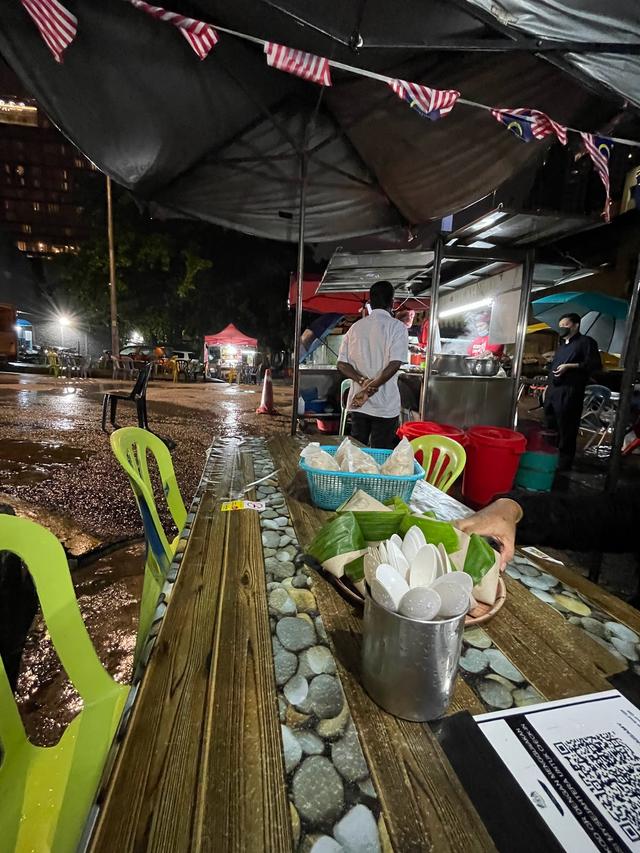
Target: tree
{"type": "Point", "coordinates": [177, 279]}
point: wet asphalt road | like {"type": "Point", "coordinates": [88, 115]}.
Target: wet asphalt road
{"type": "Point", "coordinates": [56, 467]}
{"type": "Point", "coordinates": [55, 458]}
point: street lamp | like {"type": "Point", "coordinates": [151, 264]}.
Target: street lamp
{"type": "Point", "coordinates": [64, 321]}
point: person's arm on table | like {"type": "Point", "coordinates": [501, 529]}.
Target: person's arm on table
{"type": "Point", "coordinates": [603, 522]}
{"type": "Point", "coordinates": [497, 520]}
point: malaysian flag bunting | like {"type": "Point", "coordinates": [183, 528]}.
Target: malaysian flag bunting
{"type": "Point", "coordinates": [202, 37]}
{"type": "Point", "coordinates": [430, 103]}
{"type": "Point", "coordinates": [306, 65]}
{"type": "Point", "coordinates": [599, 149]}
{"type": "Point", "coordinates": [530, 124]}
{"type": "Point", "coordinates": [58, 27]}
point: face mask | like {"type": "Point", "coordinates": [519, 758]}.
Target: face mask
{"type": "Point", "coordinates": [564, 332]}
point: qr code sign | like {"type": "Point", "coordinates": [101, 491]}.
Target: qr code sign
{"type": "Point", "coordinates": [611, 773]}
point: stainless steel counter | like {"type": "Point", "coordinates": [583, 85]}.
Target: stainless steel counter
{"type": "Point", "coordinates": [466, 401]}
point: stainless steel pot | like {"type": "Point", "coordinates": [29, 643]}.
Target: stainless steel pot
{"type": "Point", "coordinates": [483, 366]}
{"type": "Point", "coordinates": [449, 364]}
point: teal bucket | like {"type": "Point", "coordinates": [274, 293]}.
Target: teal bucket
{"type": "Point", "coordinates": [537, 471]}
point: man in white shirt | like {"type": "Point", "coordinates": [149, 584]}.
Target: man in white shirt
{"type": "Point", "coordinates": [371, 353]}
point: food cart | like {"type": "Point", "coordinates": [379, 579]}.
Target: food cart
{"type": "Point", "coordinates": [489, 307]}
{"type": "Point", "coordinates": [319, 378]}
{"type": "Point", "coordinates": [475, 314]}
{"type": "Point", "coordinates": [228, 353]}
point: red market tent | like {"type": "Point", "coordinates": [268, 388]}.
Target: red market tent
{"type": "Point", "coordinates": [325, 303]}
{"type": "Point", "coordinates": [340, 302]}
{"type": "Point", "coordinates": [231, 336]}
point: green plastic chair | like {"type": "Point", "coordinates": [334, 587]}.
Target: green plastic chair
{"type": "Point", "coordinates": [131, 446]}
{"type": "Point", "coordinates": [345, 388]}
{"type": "Point", "coordinates": [46, 793]}
{"type": "Point", "coordinates": [443, 459]}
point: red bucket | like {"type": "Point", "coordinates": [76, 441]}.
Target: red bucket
{"type": "Point", "coordinates": [493, 456]}
{"type": "Point", "coordinates": [414, 429]}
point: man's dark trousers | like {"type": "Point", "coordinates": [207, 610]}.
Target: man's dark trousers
{"type": "Point", "coordinates": [562, 413]}
{"type": "Point", "coordinates": [374, 432]}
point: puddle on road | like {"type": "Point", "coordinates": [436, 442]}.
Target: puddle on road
{"type": "Point", "coordinates": [108, 591]}
{"type": "Point", "coordinates": [23, 462]}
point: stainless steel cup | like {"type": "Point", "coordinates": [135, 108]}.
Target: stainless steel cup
{"type": "Point", "coordinates": [409, 667]}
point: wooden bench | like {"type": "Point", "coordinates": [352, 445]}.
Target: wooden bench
{"type": "Point", "coordinates": [200, 767]}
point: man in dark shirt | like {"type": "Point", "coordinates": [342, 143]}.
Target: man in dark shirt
{"type": "Point", "coordinates": [576, 358]}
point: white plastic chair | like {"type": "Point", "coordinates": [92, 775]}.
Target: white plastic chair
{"type": "Point", "coordinates": [345, 388]}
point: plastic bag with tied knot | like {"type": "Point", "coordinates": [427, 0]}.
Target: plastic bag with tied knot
{"type": "Point", "coordinates": [316, 457]}
{"type": "Point", "coordinates": [356, 461]}
{"type": "Point", "coordinates": [400, 463]}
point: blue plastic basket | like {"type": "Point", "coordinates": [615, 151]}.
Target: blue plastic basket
{"type": "Point", "coordinates": [329, 489]}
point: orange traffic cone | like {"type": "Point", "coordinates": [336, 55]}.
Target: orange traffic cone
{"type": "Point", "coordinates": [266, 403]}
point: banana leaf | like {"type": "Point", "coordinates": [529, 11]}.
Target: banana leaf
{"type": "Point", "coordinates": [355, 569]}
{"type": "Point", "coordinates": [398, 504]}
{"type": "Point", "coordinates": [377, 526]}
{"type": "Point", "coordinates": [435, 532]}
{"type": "Point", "coordinates": [337, 543]}
{"type": "Point", "coordinates": [479, 558]}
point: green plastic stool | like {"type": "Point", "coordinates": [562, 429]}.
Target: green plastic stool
{"type": "Point", "coordinates": [46, 793]}
{"type": "Point", "coordinates": [131, 446]}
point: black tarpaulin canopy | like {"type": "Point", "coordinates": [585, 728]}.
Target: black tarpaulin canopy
{"type": "Point", "coordinates": [220, 139]}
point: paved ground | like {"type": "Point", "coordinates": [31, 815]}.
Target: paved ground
{"type": "Point", "coordinates": [55, 458]}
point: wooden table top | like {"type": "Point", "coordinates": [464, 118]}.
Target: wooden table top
{"type": "Point", "coordinates": [251, 730]}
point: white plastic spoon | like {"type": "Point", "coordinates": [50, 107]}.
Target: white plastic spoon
{"type": "Point", "coordinates": [397, 559]}
{"type": "Point", "coordinates": [424, 567]}
{"type": "Point", "coordinates": [411, 545]}
{"type": "Point", "coordinates": [420, 603]}
{"type": "Point", "coordinates": [455, 600]}
{"type": "Point", "coordinates": [461, 579]}
{"type": "Point", "coordinates": [444, 559]}
{"type": "Point", "coordinates": [389, 586]}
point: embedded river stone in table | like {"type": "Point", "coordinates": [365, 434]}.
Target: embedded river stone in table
{"type": "Point", "coordinates": [491, 675]}
{"type": "Point", "coordinates": [334, 806]}
{"type": "Point", "coordinates": [621, 641]}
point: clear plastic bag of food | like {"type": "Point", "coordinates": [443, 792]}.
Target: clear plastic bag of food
{"type": "Point", "coordinates": [356, 461]}
{"type": "Point", "coordinates": [400, 463]}
{"type": "Point", "coordinates": [340, 452]}
{"type": "Point", "coordinates": [316, 457]}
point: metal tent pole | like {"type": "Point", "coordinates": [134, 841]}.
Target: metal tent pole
{"type": "Point", "coordinates": [300, 276]}
{"type": "Point", "coordinates": [433, 324]}
{"type": "Point", "coordinates": [521, 329]}
{"type": "Point", "coordinates": [631, 351]}
{"type": "Point", "coordinates": [115, 342]}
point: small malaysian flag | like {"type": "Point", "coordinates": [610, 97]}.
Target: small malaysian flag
{"type": "Point", "coordinates": [599, 149]}
{"type": "Point", "coordinates": [202, 37]}
{"type": "Point", "coordinates": [430, 103]}
{"type": "Point", "coordinates": [58, 27]}
{"type": "Point", "coordinates": [305, 65]}
{"type": "Point", "coordinates": [530, 124]}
